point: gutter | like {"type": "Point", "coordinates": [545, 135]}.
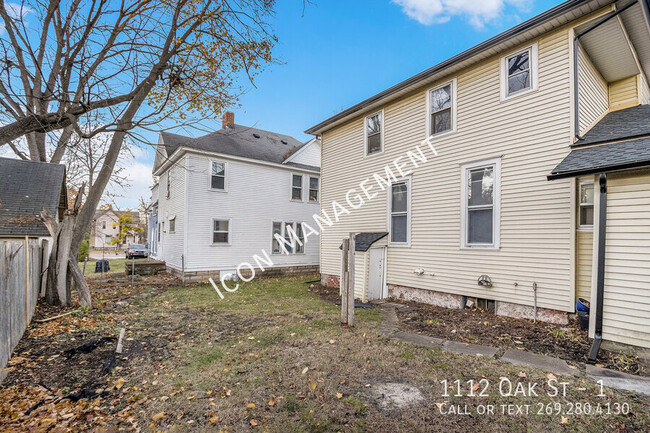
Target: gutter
{"type": "Point", "coordinates": [600, 278]}
{"type": "Point", "coordinates": [542, 18]}
{"type": "Point", "coordinates": [596, 170]}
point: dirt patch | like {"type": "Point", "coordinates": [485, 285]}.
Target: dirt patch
{"type": "Point", "coordinates": [397, 395]}
{"type": "Point", "coordinates": [329, 294]}
{"type": "Point", "coordinates": [481, 327]}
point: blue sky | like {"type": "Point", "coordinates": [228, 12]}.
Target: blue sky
{"type": "Point", "coordinates": [342, 52]}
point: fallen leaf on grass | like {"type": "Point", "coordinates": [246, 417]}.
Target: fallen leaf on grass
{"type": "Point", "coordinates": [564, 420]}
{"type": "Point", "coordinates": [339, 395]}
{"type": "Point", "coordinates": [313, 385]}
{"type": "Point", "coordinates": [305, 370]}
{"type": "Point", "coordinates": [475, 387]}
{"type": "Point", "coordinates": [119, 383]}
{"type": "Point", "coordinates": [158, 416]}
{"type": "Point", "coordinates": [272, 401]}
{"type": "Point", "coordinates": [551, 376]}
{"type": "Point", "coordinates": [521, 374]}
{"type": "Point", "coordinates": [254, 422]}
{"type": "Point", "coordinates": [251, 406]}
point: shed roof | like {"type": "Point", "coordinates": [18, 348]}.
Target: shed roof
{"type": "Point", "coordinates": [620, 141]}
{"type": "Point", "coordinates": [27, 188]}
{"type": "Point", "coordinates": [363, 241]}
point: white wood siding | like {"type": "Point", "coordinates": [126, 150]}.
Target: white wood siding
{"type": "Point", "coordinates": [530, 133]}
{"type": "Point", "coordinates": [308, 154]}
{"type": "Point", "coordinates": [170, 248]}
{"type": "Point", "coordinates": [257, 195]}
{"type": "Point", "coordinates": [626, 304]}
{"type": "Point", "coordinates": [593, 94]}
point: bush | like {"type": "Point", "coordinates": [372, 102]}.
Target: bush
{"type": "Point", "coordinates": [84, 250]}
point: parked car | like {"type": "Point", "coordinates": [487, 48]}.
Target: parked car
{"type": "Point", "coordinates": [136, 250]}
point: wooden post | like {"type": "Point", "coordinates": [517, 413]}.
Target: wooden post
{"type": "Point", "coordinates": [343, 282]}
{"type": "Point", "coordinates": [351, 247]}
{"type": "Point", "coordinates": [45, 258]}
{"type": "Point", "coordinates": [26, 282]}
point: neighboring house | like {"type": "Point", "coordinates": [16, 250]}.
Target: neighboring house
{"type": "Point", "coordinates": [483, 219]}
{"type": "Point", "coordinates": [26, 190]}
{"type": "Point", "coordinates": [222, 197]}
{"type": "Point", "coordinates": [106, 227]}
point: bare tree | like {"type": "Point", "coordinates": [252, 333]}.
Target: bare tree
{"type": "Point", "coordinates": [134, 62]}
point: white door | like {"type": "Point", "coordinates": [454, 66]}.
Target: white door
{"type": "Point", "coordinates": [376, 274]}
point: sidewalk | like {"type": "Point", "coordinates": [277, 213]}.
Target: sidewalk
{"type": "Point", "coordinates": [609, 378]}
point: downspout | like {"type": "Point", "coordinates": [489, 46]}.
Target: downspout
{"type": "Point", "coordinates": [600, 278]}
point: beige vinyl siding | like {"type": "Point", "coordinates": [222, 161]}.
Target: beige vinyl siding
{"type": "Point", "coordinates": [530, 133]}
{"type": "Point", "coordinates": [361, 275]}
{"type": "Point", "coordinates": [626, 303]}
{"type": "Point", "coordinates": [584, 253]}
{"type": "Point", "coordinates": [593, 92]}
{"type": "Point", "coordinates": [644, 91]}
{"type": "Point", "coordinates": [623, 92]}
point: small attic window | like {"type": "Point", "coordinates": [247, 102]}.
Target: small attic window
{"type": "Point", "coordinates": [284, 141]}
{"type": "Point", "coordinates": [256, 135]}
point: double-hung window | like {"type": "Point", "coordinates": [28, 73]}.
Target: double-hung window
{"type": "Point", "coordinates": [586, 211]}
{"type": "Point", "coordinates": [400, 209]}
{"type": "Point", "coordinates": [296, 187]}
{"type": "Point", "coordinates": [374, 133]}
{"type": "Point", "coordinates": [218, 175]}
{"type": "Point", "coordinates": [220, 231]}
{"type": "Point", "coordinates": [291, 233]}
{"type": "Point", "coordinates": [480, 206]}
{"type": "Point", "coordinates": [313, 189]}
{"type": "Point", "coordinates": [441, 108]}
{"type": "Point", "coordinates": [519, 72]}
{"type": "Point", "coordinates": [172, 225]}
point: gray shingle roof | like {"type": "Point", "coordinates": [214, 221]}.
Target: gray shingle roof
{"type": "Point", "coordinates": [618, 125]}
{"type": "Point", "coordinates": [363, 241]}
{"type": "Point", "coordinates": [621, 140]}
{"type": "Point", "coordinates": [605, 157]}
{"type": "Point", "coordinates": [27, 188]}
{"type": "Point", "coordinates": [238, 140]}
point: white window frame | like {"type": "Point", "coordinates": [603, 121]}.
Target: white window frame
{"type": "Point", "coordinates": [225, 177]}
{"type": "Point", "coordinates": [302, 187]}
{"type": "Point", "coordinates": [382, 132]}
{"type": "Point", "coordinates": [454, 104]}
{"type": "Point", "coordinates": [173, 219]}
{"type": "Point", "coordinates": [496, 204]}
{"type": "Point", "coordinates": [309, 178]}
{"type": "Point", "coordinates": [534, 75]}
{"type": "Point", "coordinates": [283, 234]}
{"type": "Point", "coordinates": [389, 222]}
{"type": "Point", "coordinates": [585, 227]}
{"type": "Point", "coordinates": [212, 242]}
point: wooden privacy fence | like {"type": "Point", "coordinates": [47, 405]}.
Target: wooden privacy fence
{"type": "Point", "coordinates": [22, 262]}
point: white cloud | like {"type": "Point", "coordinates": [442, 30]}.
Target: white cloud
{"type": "Point", "coordinates": [477, 12]}
{"type": "Point", "coordinates": [140, 180]}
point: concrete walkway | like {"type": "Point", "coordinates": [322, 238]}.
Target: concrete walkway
{"type": "Point", "coordinates": [610, 378]}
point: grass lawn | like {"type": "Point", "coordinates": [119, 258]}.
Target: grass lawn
{"type": "Point", "coordinates": [272, 357]}
{"type": "Point", "coordinates": [117, 267]}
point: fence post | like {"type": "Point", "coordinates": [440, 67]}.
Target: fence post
{"type": "Point", "coordinates": [183, 269]}
{"type": "Point", "coordinates": [45, 258]}
{"type": "Point", "coordinates": [351, 275]}
{"type": "Point", "coordinates": [132, 271]}
{"type": "Point", "coordinates": [26, 282]}
{"type": "Point", "coordinates": [343, 281]}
